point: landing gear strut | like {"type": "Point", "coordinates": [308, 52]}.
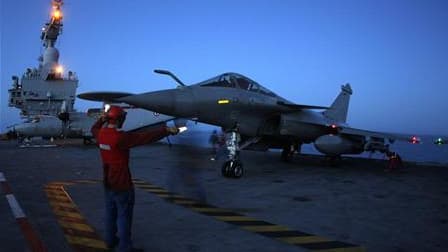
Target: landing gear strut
{"type": "Point", "coordinates": [87, 141]}
{"type": "Point", "coordinates": [288, 151]}
{"type": "Point", "coordinates": [233, 167]}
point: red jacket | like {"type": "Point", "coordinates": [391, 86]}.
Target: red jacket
{"type": "Point", "coordinates": [114, 147]}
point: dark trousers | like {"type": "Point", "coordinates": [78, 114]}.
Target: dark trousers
{"type": "Point", "coordinates": [119, 208]}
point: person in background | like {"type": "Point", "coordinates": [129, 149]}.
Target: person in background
{"type": "Point", "coordinates": [187, 176]}
{"type": "Point", "coordinates": [222, 150]}
{"type": "Point", "coordinates": [214, 141]}
{"type": "Point", "coordinates": [395, 162]}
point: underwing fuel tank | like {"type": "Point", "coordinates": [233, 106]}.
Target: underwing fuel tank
{"type": "Point", "coordinates": [335, 145]}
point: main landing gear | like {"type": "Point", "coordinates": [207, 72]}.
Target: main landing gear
{"type": "Point", "coordinates": [288, 151]}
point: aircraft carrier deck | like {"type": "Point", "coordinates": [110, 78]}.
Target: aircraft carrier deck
{"type": "Point", "coordinates": [305, 205]}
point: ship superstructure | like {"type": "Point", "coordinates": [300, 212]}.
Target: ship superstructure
{"type": "Point", "coordinates": [46, 89]}
{"type": "Point", "coordinates": [46, 95]}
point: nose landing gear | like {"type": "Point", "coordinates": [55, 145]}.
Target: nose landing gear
{"type": "Point", "coordinates": [232, 169]}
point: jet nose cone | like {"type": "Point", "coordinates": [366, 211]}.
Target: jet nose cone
{"type": "Point", "coordinates": [173, 102]}
{"type": "Point", "coordinates": [20, 129]}
{"type": "Point", "coordinates": [157, 101]}
{"type": "Point", "coordinates": [25, 129]}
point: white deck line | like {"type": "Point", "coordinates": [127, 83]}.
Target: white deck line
{"type": "Point", "coordinates": [2, 177]}
{"type": "Point", "coordinates": [15, 207]}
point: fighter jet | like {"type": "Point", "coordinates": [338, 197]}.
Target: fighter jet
{"type": "Point", "coordinates": [46, 126]}
{"type": "Point", "coordinates": [78, 124]}
{"type": "Point", "coordinates": [265, 120]}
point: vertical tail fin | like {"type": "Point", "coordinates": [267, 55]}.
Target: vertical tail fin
{"type": "Point", "coordinates": [338, 110]}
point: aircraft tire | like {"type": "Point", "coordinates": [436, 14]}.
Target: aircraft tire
{"type": "Point", "coordinates": [87, 141]}
{"type": "Point", "coordinates": [237, 169]}
{"type": "Point", "coordinates": [286, 155]}
{"type": "Point", "coordinates": [232, 169]}
{"type": "Point", "coordinates": [225, 169]}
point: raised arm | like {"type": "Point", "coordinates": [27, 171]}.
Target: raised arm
{"type": "Point", "coordinates": [97, 126]}
{"type": "Point", "coordinates": [132, 139]}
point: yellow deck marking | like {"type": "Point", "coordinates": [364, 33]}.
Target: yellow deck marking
{"type": "Point", "coordinates": [303, 239]}
{"type": "Point", "coordinates": [86, 242]}
{"type": "Point", "coordinates": [63, 207]}
{"type": "Point", "coordinates": [53, 188]}
{"type": "Point", "coordinates": [294, 240]}
{"type": "Point", "coordinates": [86, 181]}
{"type": "Point", "coordinates": [148, 186]}
{"type": "Point", "coordinates": [164, 196]}
{"type": "Point", "coordinates": [71, 209]}
{"type": "Point", "coordinates": [62, 183]}
{"type": "Point", "coordinates": [62, 204]}
{"type": "Point", "coordinates": [56, 193]}
{"type": "Point", "coordinates": [234, 218]}
{"type": "Point", "coordinates": [67, 214]}
{"type": "Point", "coordinates": [186, 201]}
{"type": "Point", "coordinates": [265, 228]}
{"type": "Point", "coordinates": [76, 226]}
{"type": "Point", "coordinates": [58, 198]}
{"type": "Point", "coordinates": [348, 249]}
{"type": "Point", "coordinates": [156, 190]}
{"type": "Point", "coordinates": [208, 209]}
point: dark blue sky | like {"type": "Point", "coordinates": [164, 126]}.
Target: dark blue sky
{"type": "Point", "coordinates": [394, 53]}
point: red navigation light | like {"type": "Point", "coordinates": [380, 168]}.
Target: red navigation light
{"type": "Point", "coordinates": [333, 129]}
{"type": "Point", "coordinates": [414, 140]}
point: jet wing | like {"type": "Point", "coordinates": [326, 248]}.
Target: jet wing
{"type": "Point", "coordinates": [299, 106]}
{"type": "Point", "coordinates": [383, 135]}
{"type": "Point", "coordinates": [103, 96]}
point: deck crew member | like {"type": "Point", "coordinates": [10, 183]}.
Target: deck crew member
{"type": "Point", "coordinates": [114, 146]}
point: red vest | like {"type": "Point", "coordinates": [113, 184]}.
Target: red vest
{"type": "Point", "coordinates": [115, 160]}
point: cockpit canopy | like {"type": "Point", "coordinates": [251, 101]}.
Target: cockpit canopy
{"type": "Point", "coordinates": [234, 80]}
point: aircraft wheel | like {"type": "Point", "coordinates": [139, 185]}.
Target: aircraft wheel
{"type": "Point", "coordinates": [87, 141]}
{"type": "Point", "coordinates": [286, 155]}
{"type": "Point", "coordinates": [237, 169]}
{"type": "Point", "coordinates": [232, 169]}
{"type": "Point", "coordinates": [226, 167]}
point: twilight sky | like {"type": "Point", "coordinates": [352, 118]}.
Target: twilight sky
{"type": "Point", "coordinates": [393, 53]}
